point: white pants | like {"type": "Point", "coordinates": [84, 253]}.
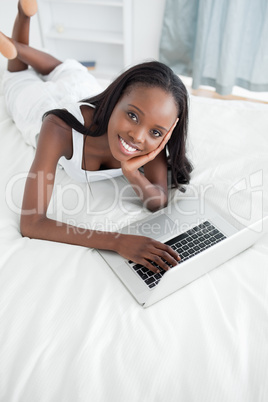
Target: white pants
{"type": "Point", "coordinates": [29, 95]}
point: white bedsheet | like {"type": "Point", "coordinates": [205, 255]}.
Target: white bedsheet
{"type": "Point", "coordinates": [70, 331]}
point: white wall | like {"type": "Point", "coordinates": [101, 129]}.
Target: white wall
{"type": "Point", "coordinates": [147, 25]}
{"type": "Point", "coordinates": [8, 11]}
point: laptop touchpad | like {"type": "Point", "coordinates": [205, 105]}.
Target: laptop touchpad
{"type": "Point", "coordinates": [156, 228]}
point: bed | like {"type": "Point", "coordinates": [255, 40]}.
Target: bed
{"type": "Point", "coordinates": [69, 329]}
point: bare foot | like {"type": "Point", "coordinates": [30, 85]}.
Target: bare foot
{"type": "Point", "coordinates": [7, 48]}
{"type": "Point", "coordinates": [29, 7]}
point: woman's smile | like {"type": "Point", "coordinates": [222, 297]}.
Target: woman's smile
{"type": "Point", "coordinates": [126, 147]}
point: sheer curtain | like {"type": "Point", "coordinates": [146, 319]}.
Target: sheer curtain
{"type": "Point", "coordinates": [220, 43]}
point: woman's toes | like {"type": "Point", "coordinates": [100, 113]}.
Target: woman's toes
{"type": "Point", "coordinates": [7, 48]}
{"type": "Point", "coordinates": [29, 7]}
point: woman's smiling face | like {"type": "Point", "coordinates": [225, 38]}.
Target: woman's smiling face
{"type": "Point", "coordinates": [140, 121]}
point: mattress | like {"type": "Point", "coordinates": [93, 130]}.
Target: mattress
{"type": "Point", "coordinates": [69, 329]}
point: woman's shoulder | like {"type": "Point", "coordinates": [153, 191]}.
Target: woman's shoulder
{"type": "Point", "coordinates": [55, 122]}
{"type": "Point", "coordinates": [57, 134]}
{"type": "Point", "coordinates": [87, 113]}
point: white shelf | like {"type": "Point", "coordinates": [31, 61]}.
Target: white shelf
{"type": "Point", "coordinates": [99, 30]}
{"type": "Point", "coordinates": [115, 38]}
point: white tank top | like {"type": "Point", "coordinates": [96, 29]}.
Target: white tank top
{"type": "Point", "coordinates": [73, 166]}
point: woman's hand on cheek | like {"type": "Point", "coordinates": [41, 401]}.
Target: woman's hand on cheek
{"type": "Point", "coordinates": [135, 163]}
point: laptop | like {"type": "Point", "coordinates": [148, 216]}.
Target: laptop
{"type": "Point", "coordinates": [202, 237]}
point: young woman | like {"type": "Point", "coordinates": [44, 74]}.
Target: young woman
{"type": "Point", "coordinates": [130, 125]}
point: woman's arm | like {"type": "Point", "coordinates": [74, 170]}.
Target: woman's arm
{"type": "Point", "coordinates": [151, 186]}
{"type": "Point", "coordinates": [54, 142]}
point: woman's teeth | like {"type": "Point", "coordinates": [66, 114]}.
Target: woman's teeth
{"type": "Point", "coordinates": [126, 146]}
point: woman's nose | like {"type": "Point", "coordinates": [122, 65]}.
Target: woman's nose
{"type": "Point", "coordinates": [138, 136]}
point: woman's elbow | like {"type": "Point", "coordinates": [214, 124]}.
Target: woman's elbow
{"type": "Point", "coordinates": [29, 226]}
{"type": "Point", "coordinates": [26, 229]}
{"type": "Point", "coordinates": [155, 205]}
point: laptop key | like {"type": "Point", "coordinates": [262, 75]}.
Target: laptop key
{"type": "Point", "coordinates": [214, 232]}
{"type": "Point", "coordinates": [185, 254]}
{"type": "Point", "coordinates": [177, 238]}
{"type": "Point", "coordinates": [137, 267]}
{"type": "Point", "coordinates": [194, 236]}
{"type": "Point", "coordinates": [219, 236]}
{"type": "Point", "coordinates": [142, 275]}
{"type": "Point", "coordinates": [149, 281]}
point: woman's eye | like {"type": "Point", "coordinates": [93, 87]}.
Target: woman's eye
{"type": "Point", "coordinates": [156, 133]}
{"type": "Point", "coordinates": [133, 116]}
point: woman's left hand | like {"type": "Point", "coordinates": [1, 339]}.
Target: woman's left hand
{"type": "Point", "coordinates": [136, 162]}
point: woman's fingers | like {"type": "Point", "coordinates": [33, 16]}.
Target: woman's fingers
{"type": "Point", "coordinates": [148, 252]}
{"type": "Point", "coordinates": [162, 256]}
{"type": "Point", "coordinates": [154, 153]}
{"type": "Point", "coordinates": [169, 134]}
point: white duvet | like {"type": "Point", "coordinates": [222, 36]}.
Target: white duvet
{"type": "Point", "coordinates": [70, 331]}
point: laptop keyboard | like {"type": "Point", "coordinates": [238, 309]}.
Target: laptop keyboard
{"type": "Point", "coordinates": [187, 244]}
